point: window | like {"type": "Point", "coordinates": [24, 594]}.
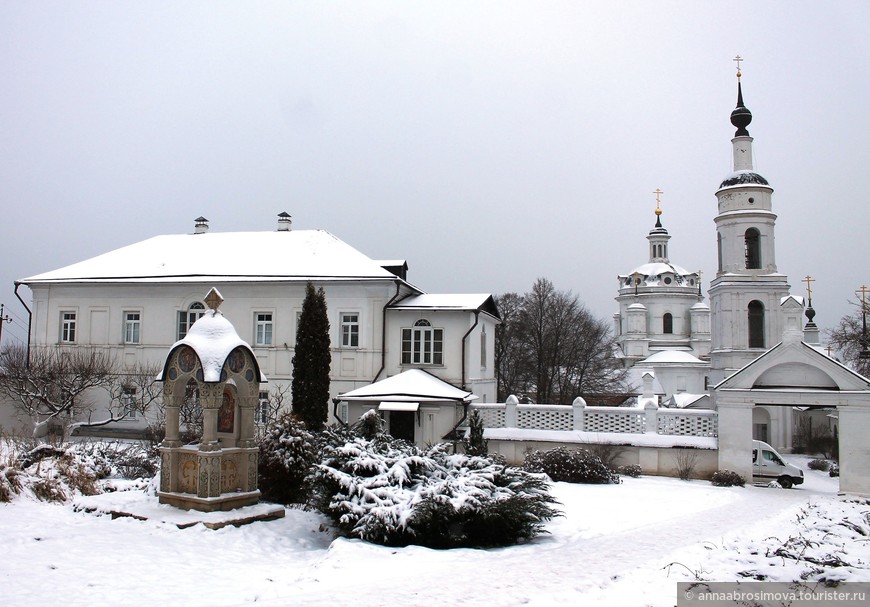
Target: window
{"type": "Point", "coordinates": [719, 249]}
{"type": "Point", "coordinates": [186, 318]}
{"type": "Point", "coordinates": [483, 348]}
{"type": "Point", "coordinates": [128, 402]}
{"type": "Point", "coordinates": [263, 329]}
{"type": "Point", "coordinates": [132, 326]}
{"type": "Point", "coordinates": [422, 345]}
{"type": "Point", "coordinates": [756, 324]}
{"type": "Point", "coordinates": [349, 330]}
{"type": "Point", "coordinates": [667, 323]}
{"type": "Point", "coordinates": [752, 244]}
{"type": "Point", "coordinates": [262, 416]}
{"type": "Point", "coordinates": [68, 327]}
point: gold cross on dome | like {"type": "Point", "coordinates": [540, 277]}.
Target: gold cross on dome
{"type": "Point", "coordinates": [809, 280]}
{"type": "Point", "coordinates": [738, 59]}
{"type": "Point", "coordinates": [214, 299]}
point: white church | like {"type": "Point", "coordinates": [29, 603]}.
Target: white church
{"type": "Point", "coordinates": [749, 354]}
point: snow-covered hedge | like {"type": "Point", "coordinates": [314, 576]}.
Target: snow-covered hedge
{"type": "Point", "coordinates": [393, 493]}
{"type": "Point", "coordinates": [727, 478]}
{"type": "Point", "coordinates": [570, 466]}
{"type": "Point", "coordinates": [288, 455]}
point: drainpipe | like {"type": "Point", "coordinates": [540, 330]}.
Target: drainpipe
{"type": "Point", "coordinates": [335, 403]}
{"type": "Point", "coordinates": [464, 338]}
{"type": "Point", "coordinates": [384, 332]}
{"type": "Point", "coordinates": [29, 319]}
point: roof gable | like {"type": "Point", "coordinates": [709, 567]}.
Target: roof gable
{"type": "Point", "coordinates": [795, 365]}
{"type": "Point", "coordinates": [410, 385]}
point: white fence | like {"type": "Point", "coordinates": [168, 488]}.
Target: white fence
{"type": "Point", "coordinates": [582, 418]}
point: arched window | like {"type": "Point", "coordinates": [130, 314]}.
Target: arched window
{"type": "Point", "coordinates": [719, 249]}
{"type": "Point", "coordinates": [422, 344]}
{"type": "Point", "coordinates": [667, 323]}
{"type": "Point", "coordinates": [752, 242]}
{"type": "Point", "coordinates": [756, 324]}
{"type": "Point", "coordinates": [187, 317]}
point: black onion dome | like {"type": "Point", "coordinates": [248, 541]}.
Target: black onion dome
{"type": "Point", "coordinates": [741, 116]}
{"type": "Point", "coordinates": [743, 178]}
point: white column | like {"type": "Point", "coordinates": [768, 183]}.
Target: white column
{"type": "Point", "coordinates": [735, 438]}
{"type": "Point", "coordinates": [854, 429]}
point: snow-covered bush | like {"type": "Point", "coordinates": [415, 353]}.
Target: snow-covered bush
{"type": "Point", "coordinates": [571, 466]}
{"type": "Point", "coordinates": [819, 464]}
{"type": "Point", "coordinates": [632, 470]}
{"type": "Point", "coordinates": [834, 471]}
{"type": "Point", "coordinates": [390, 492]}
{"type": "Point", "coordinates": [288, 454]}
{"type": "Point", "coordinates": [727, 478]}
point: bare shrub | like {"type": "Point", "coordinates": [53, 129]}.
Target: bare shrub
{"type": "Point", "coordinates": [608, 453]}
{"type": "Point", "coordinates": [685, 461]}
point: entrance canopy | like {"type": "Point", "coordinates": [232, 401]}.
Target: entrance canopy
{"type": "Point", "coordinates": [398, 406]}
{"type": "Point", "coordinates": [410, 387]}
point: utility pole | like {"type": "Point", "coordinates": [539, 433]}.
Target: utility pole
{"type": "Point", "coordinates": [3, 318]}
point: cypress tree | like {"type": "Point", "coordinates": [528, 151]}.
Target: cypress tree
{"type": "Point", "coordinates": [311, 361]}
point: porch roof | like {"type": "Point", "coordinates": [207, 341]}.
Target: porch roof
{"type": "Point", "coordinates": [413, 385]}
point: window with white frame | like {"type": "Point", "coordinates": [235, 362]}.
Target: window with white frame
{"type": "Point", "coordinates": [349, 330]}
{"type": "Point", "coordinates": [68, 327]}
{"type": "Point", "coordinates": [128, 402]}
{"type": "Point", "coordinates": [132, 327]}
{"type": "Point", "coordinates": [422, 344]}
{"type": "Point", "coordinates": [263, 329]}
{"type": "Point", "coordinates": [187, 317]}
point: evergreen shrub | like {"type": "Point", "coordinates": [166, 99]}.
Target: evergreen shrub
{"type": "Point", "coordinates": [390, 492]}
{"type": "Point", "coordinates": [288, 456]}
{"type": "Point", "coordinates": [727, 478]}
{"type": "Point", "coordinates": [570, 466]}
{"type": "Point", "coordinates": [632, 470]}
{"type": "Point", "coordinates": [819, 464]}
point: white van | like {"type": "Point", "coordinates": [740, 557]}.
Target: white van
{"type": "Point", "coordinates": [768, 465]}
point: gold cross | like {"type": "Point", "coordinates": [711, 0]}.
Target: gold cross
{"type": "Point", "coordinates": [809, 280]}
{"type": "Point", "coordinates": [738, 59]}
{"type": "Point", "coordinates": [658, 193]}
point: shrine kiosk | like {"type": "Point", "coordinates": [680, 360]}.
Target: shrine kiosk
{"type": "Point", "coordinates": [213, 365]}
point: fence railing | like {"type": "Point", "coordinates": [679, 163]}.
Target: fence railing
{"type": "Point", "coordinates": [582, 418]}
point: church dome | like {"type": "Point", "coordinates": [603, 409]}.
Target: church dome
{"type": "Point", "coordinates": [742, 178]}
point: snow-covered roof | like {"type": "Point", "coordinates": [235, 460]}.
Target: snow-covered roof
{"type": "Point", "coordinates": [449, 301]}
{"type": "Point", "coordinates": [657, 268]}
{"type": "Point", "coordinates": [671, 357]}
{"type": "Point", "coordinates": [212, 337]}
{"type": "Point", "coordinates": [412, 385]}
{"type": "Point", "coordinates": [238, 256]}
{"type": "Point", "coordinates": [685, 400]}
{"type": "Point", "coordinates": [741, 178]}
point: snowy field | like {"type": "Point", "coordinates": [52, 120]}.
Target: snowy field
{"type": "Point", "coordinates": [622, 545]}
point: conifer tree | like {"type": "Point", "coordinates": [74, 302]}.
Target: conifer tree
{"type": "Point", "coordinates": [475, 444]}
{"type": "Point", "coordinates": [311, 361]}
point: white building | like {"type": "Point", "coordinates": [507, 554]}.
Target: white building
{"type": "Point", "coordinates": [138, 300]}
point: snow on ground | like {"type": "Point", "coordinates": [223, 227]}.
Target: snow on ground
{"type": "Point", "coordinates": [612, 547]}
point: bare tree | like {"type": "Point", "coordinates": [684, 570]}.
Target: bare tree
{"type": "Point", "coordinates": [135, 391]}
{"type": "Point", "coordinates": [56, 386]}
{"type": "Point", "coordinates": [553, 348]}
{"type": "Point", "coordinates": [847, 339]}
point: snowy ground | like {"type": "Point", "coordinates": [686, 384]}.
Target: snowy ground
{"type": "Point", "coordinates": [612, 547]}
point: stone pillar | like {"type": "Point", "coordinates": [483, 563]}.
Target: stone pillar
{"type": "Point", "coordinates": [735, 438]}
{"type": "Point", "coordinates": [510, 411]}
{"type": "Point", "coordinates": [209, 482]}
{"type": "Point", "coordinates": [579, 411]}
{"type": "Point", "coordinates": [211, 397]}
{"type": "Point", "coordinates": [247, 409]}
{"type": "Point", "coordinates": [854, 428]}
{"type": "Point", "coordinates": [650, 411]}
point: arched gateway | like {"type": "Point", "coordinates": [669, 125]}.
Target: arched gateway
{"type": "Point", "coordinates": [213, 366]}
{"type": "Point", "coordinates": [795, 374]}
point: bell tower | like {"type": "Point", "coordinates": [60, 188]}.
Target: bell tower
{"type": "Point", "coordinates": [746, 294]}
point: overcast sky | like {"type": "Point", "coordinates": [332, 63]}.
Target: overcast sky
{"type": "Point", "coordinates": [488, 143]}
